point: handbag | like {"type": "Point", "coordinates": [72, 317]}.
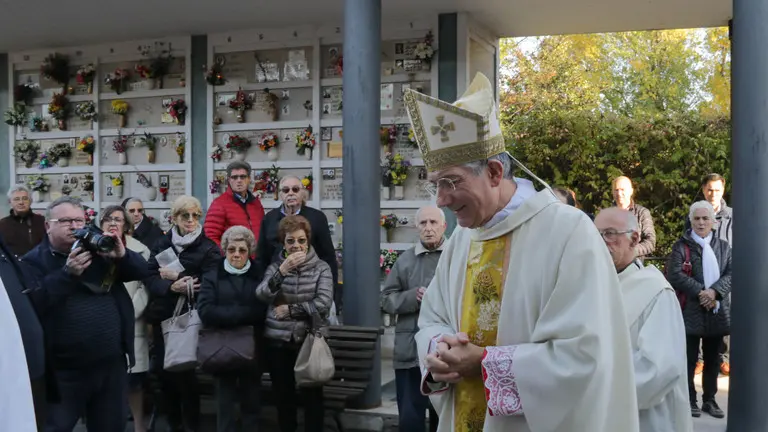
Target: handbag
{"type": "Point", "coordinates": [224, 350]}
{"type": "Point", "coordinates": [314, 365]}
{"type": "Point", "coordinates": [180, 333]}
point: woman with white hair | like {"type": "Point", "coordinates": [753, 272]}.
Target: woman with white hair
{"type": "Point", "coordinates": [699, 269]}
{"type": "Point", "coordinates": [227, 304]}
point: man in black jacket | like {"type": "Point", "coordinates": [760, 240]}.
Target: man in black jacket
{"type": "Point", "coordinates": [88, 319]}
{"type": "Point", "coordinates": [294, 197]}
{"type": "Point", "coordinates": [17, 284]}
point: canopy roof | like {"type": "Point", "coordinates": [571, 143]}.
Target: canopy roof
{"type": "Point", "coordinates": [51, 23]}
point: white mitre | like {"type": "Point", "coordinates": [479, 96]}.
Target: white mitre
{"type": "Point", "coordinates": [454, 134]}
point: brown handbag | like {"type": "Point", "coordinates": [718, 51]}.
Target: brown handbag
{"type": "Point", "coordinates": [226, 350]}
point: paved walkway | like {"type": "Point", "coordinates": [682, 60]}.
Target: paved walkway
{"type": "Point", "coordinates": [707, 423]}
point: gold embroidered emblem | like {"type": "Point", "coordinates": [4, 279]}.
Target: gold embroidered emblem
{"type": "Point", "coordinates": [442, 128]}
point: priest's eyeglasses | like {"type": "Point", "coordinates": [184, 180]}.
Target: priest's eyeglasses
{"type": "Point", "coordinates": [611, 234]}
{"type": "Point", "coordinates": [445, 184]}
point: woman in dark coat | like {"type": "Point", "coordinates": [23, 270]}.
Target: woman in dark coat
{"type": "Point", "coordinates": [699, 269]}
{"type": "Point", "coordinates": [227, 301]}
{"type": "Point", "coordinates": [198, 255]}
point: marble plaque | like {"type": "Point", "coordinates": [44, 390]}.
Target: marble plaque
{"type": "Point", "coordinates": [177, 185]}
{"type": "Point", "coordinates": [331, 184]}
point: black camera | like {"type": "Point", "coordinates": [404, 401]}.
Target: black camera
{"type": "Point", "coordinates": [94, 240]}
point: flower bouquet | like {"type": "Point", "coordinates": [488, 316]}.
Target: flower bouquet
{"type": "Point", "coordinates": [86, 111]}
{"type": "Point", "coordinates": [273, 180]}
{"type": "Point", "coordinates": [240, 103]}
{"type": "Point", "coordinates": [119, 146]}
{"type": "Point", "coordinates": [37, 124]}
{"type": "Point", "coordinates": [118, 183]}
{"type": "Point", "coordinates": [268, 143]}
{"type": "Point", "coordinates": [120, 107]}
{"type": "Point", "coordinates": [238, 145]}
{"type": "Point", "coordinates": [214, 77]}
{"type": "Point", "coordinates": [16, 116]}
{"type": "Point", "coordinates": [339, 216]}
{"type": "Point", "coordinates": [307, 183]}
{"type": "Point", "coordinates": [87, 144]}
{"type": "Point", "coordinates": [180, 142]}
{"type": "Point", "coordinates": [388, 136]}
{"type": "Point", "coordinates": [305, 142]}
{"type": "Point", "coordinates": [90, 216]}
{"type": "Point", "coordinates": [216, 153]}
{"type": "Point", "coordinates": [60, 153]}
{"type": "Point", "coordinates": [215, 186]}
{"type": "Point", "coordinates": [22, 93]}
{"type": "Point", "coordinates": [424, 50]}
{"type": "Point", "coordinates": [56, 68]}
{"type": "Point", "coordinates": [387, 259]}
{"type": "Point", "coordinates": [150, 142]}
{"type": "Point", "coordinates": [399, 172]}
{"type": "Point", "coordinates": [39, 185]}
{"type": "Point", "coordinates": [147, 73]}
{"type": "Point", "coordinates": [178, 110]}
{"type": "Point", "coordinates": [117, 80]}
{"type": "Point", "coordinates": [59, 109]}
{"type": "Point", "coordinates": [85, 76]}
{"type": "Point", "coordinates": [412, 138]}
{"type": "Point", "coordinates": [27, 151]}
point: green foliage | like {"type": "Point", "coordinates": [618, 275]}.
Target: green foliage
{"type": "Point", "coordinates": [580, 110]}
{"type": "Point", "coordinates": [665, 158]}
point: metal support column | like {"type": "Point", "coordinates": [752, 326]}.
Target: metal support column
{"type": "Point", "coordinates": [749, 324]}
{"type": "Point", "coordinates": [361, 158]}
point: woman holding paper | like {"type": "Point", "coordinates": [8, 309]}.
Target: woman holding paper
{"type": "Point", "coordinates": [179, 258]}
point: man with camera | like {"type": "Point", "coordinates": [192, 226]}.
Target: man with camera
{"type": "Point", "coordinates": [87, 315]}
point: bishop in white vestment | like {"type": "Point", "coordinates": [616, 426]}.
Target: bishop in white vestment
{"type": "Point", "coordinates": [523, 327]}
{"type": "Point", "coordinates": [656, 329]}
{"type": "Point", "coordinates": [17, 411]}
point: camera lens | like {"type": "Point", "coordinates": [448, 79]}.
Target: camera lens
{"type": "Point", "coordinates": [104, 243]}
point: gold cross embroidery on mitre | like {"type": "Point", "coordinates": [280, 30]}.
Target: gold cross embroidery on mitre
{"type": "Point", "coordinates": [442, 128]}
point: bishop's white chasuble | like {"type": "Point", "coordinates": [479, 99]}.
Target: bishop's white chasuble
{"type": "Point", "coordinates": [539, 291]}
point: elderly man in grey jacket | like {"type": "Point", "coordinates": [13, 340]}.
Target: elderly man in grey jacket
{"type": "Point", "coordinates": [401, 295]}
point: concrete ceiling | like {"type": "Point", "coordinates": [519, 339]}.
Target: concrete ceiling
{"type": "Point", "coordinates": [53, 23]}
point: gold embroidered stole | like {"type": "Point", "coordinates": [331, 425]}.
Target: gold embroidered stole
{"type": "Point", "coordinates": [481, 304]}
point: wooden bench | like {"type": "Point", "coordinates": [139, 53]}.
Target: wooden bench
{"type": "Point", "coordinates": [353, 351]}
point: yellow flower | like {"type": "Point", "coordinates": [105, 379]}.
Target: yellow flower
{"type": "Point", "coordinates": [340, 220]}
{"type": "Point", "coordinates": [305, 182]}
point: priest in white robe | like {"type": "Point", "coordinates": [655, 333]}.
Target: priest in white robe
{"type": "Point", "coordinates": [17, 411]}
{"type": "Point", "coordinates": [523, 327]}
{"type": "Point", "coordinates": [656, 329]}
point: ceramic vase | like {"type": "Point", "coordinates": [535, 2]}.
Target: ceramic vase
{"type": "Point", "coordinates": [122, 158]}
{"type": "Point", "coordinates": [272, 154]}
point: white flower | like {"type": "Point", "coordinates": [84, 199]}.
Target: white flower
{"type": "Point", "coordinates": [423, 51]}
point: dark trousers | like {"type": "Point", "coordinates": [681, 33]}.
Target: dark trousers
{"type": "Point", "coordinates": [98, 393]}
{"type": "Point", "coordinates": [243, 387]}
{"type": "Point", "coordinates": [39, 398]}
{"type": "Point", "coordinates": [180, 398]}
{"type": "Point", "coordinates": [281, 360]}
{"type": "Point", "coordinates": [710, 347]}
{"type": "Point", "coordinates": [411, 404]}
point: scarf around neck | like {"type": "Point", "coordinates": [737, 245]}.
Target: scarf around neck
{"type": "Point", "coordinates": [233, 271]}
{"type": "Point", "coordinates": [182, 242]}
{"type": "Point", "coordinates": [711, 268]}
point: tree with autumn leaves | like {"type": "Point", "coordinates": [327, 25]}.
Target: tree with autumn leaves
{"type": "Point", "coordinates": [655, 106]}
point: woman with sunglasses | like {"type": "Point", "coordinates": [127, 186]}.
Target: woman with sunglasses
{"type": "Point", "coordinates": [294, 196]}
{"type": "Point", "coordinates": [197, 254]}
{"type": "Point", "coordinates": [144, 229]}
{"type": "Point", "coordinates": [298, 281]}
